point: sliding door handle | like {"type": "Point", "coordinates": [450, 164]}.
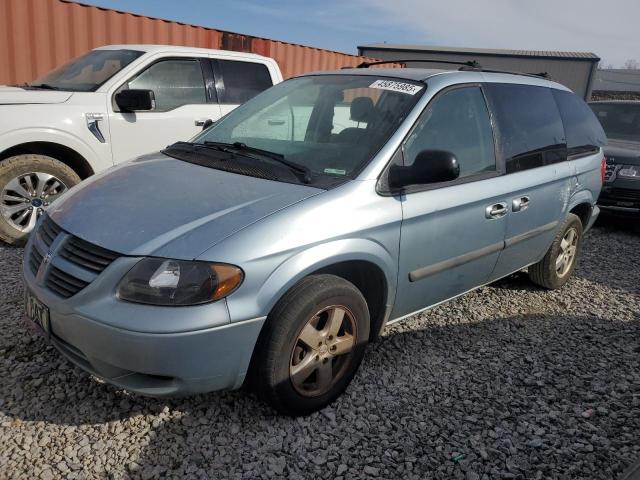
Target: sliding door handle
{"type": "Point", "coordinates": [520, 204]}
{"type": "Point", "coordinates": [497, 210]}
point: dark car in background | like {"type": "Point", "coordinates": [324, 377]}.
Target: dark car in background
{"type": "Point", "coordinates": [621, 189]}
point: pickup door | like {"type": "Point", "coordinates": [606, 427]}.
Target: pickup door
{"type": "Point", "coordinates": [188, 91]}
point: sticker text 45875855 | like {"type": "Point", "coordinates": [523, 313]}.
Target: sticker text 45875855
{"type": "Point", "coordinates": [394, 86]}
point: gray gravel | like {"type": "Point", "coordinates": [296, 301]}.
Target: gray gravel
{"type": "Point", "coordinates": [507, 382]}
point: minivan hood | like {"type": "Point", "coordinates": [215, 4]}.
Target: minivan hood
{"type": "Point", "coordinates": [623, 151]}
{"type": "Point", "coordinates": [19, 95]}
{"type": "Point", "coordinates": [160, 206]}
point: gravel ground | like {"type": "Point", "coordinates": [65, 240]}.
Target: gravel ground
{"type": "Point", "coordinates": [507, 382]}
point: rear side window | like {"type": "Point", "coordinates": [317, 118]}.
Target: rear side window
{"type": "Point", "coordinates": [242, 80]}
{"type": "Point", "coordinates": [531, 133]}
{"type": "Point", "coordinates": [583, 131]}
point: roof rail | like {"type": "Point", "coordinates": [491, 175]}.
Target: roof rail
{"type": "Point", "coordinates": [509, 72]}
{"type": "Point", "coordinates": [470, 64]}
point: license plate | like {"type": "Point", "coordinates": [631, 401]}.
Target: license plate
{"type": "Point", "coordinates": [36, 311]}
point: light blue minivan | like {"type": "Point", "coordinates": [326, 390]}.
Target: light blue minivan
{"type": "Point", "coordinates": [281, 240]}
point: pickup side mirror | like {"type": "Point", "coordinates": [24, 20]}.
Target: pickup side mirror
{"type": "Point", "coordinates": [135, 100]}
{"type": "Point", "coordinates": [207, 123]}
{"type": "Point", "coordinates": [430, 166]}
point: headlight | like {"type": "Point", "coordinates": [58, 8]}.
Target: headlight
{"type": "Point", "coordinates": [629, 171]}
{"type": "Point", "coordinates": [158, 281]}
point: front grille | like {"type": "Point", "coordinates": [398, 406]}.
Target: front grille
{"type": "Point", "coordinates": [35, 259]}
{"type": "Point", "coordinates": [75, 263]}
{"type": "Point", "coordinates": [87, 255]}
{"type": "Point", "coordinates": [625, 194]}
{"type": "Point", "coordinates": [48, 231]}
{"type": "Point", "coordinates": [62, 283]}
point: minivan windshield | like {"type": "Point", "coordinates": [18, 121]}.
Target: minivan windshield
{"type": "Point", "coordinates": [88, 72]}
{"type": "Point", "coordinates": [326, 125]}
{"type": "Point", "coordinates": [620, 121]}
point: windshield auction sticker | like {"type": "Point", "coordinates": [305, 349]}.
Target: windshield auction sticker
{"type": "Point", "coordinates": [394, 86]}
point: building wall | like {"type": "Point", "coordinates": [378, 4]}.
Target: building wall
{"type": "Point", "coordinates": [572, 73]}
{"type": "Point", "coordinates": [38, 35]}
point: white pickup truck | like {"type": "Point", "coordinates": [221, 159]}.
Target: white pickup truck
{"type": "Point", "coordinates": [110, 105]}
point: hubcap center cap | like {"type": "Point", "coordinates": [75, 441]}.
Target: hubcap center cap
{"type": "Point", "coordinates": [36, 202]}
{"type": "Point", "coordinates": [324, 349]}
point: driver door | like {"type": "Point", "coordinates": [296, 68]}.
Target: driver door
{"type": "Point", "coordinates": [181, 107]}
{"type": "Point", "coordinates": [449, 242]}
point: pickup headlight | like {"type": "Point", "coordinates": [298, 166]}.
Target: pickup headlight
{"type": "Point", "coordinates": [159, 281]}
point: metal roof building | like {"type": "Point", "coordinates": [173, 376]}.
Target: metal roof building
{"type": "Point", "coordinates": [617, 80]}
{"type": "Point", "coordinates": [574, 69]}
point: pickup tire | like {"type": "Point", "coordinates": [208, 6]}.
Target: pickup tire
{"type": "Point", "coordinates": [311, 345]}
{"type": "Point", "coordinates": [28, 183]}
{"type": "Point", "coordinates": [560, 261]}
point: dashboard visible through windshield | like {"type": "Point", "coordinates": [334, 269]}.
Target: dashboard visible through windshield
{"type": "Point", "coordinates": [88, 72]}
{"type": "Point", "coordinates": [331, 125]}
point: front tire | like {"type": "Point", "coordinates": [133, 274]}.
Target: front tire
{"type": "Point", "coordinates": [312, 345]}
{"type": "Point", "coordinates": [28, 184]}
{"type": "Point", "coordinates": [557, 266]}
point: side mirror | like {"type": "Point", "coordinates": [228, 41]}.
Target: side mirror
{"type": "Point", "coordinates": [430, 166]}
{"type": "Point", "coordinates": [135, 100]}
{"type": "Point", "coordinates": [207, 123]}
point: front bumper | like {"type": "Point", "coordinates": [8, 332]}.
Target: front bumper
{"type": "Point", "coordinates": [621, 197]}
{"type": "Point", "coordinates": [156, 351]}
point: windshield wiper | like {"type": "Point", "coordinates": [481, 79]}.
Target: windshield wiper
{"type": "Point", "coordinates": [242, 147]}
{"type": "Point", "coordinates": [45, 86]}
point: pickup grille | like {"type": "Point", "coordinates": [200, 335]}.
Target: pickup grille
{"type": "Point", "coordinates": [74, 263]}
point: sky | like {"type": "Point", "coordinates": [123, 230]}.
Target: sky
{"type": "Point", "coordinates": [604, 27]}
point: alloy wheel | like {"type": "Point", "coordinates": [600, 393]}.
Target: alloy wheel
{"type": "Point", "coordinates": [323, 350]}
{"type": "Point", "coordinates": [26, 196]}
{"type": "Point", "coordinates": [567, 255]}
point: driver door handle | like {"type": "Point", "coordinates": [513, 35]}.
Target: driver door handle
{"type": "Point", "coordinates": [497, 210]}
{"type": "Point", "coordinates": [520, 204]}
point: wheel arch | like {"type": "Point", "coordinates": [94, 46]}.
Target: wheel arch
{"type": "Point", "coordinates": [365, 263]}
{"type": "Point", "coordinates": [583, 211]}
{"type": "Point", "coordinates": [67, 155]}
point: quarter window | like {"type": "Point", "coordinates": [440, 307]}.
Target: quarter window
{"type": "Point", "coordinates": [531, 131]}
{"type": "Point", "coordinates": [242, 80]}
{"type": "Point", "coordinates": [457, 121]}
{"type": "Point", "coordinates": [584, 132]}
{"type": "Point", "coordinates": [174, 83]}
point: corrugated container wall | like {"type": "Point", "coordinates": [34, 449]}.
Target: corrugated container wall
{"type": "Point", "coordinates": [38, 35]}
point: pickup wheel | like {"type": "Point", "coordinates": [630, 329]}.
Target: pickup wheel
{"type": "Point", "coordinates": [312, 344]}
{"type": "Point", "coordinates": [557, 266]}
{"type": "Point", "coordinates": [28, 185]}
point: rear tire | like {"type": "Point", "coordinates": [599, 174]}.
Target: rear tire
{"type": "Point", "coordinates": [557, 266]}
{"type": "Point", "coordinates": [28, 183]}
{"type": "Point", "coordinates": [311, 346]}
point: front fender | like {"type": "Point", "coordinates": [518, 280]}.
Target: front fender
{"type": "Point", "coordinates": [252, 303]}
{"type": "Point", "coordinates": [99, 158]}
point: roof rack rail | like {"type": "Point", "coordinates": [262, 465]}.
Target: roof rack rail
{"type": "Point", "coordinates": [470, 63]}
{"type": "Point", "coordinates": [468, 66]}
{"type": "Point", "coordinates": [508, 72]}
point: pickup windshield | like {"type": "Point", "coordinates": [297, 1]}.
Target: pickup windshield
{"type": "Point", "coordinates": [88, 72]}
{"type": "Point", "coordinates": [331, 125]}
{"type": "Point", "coordinates": [620, 121]}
